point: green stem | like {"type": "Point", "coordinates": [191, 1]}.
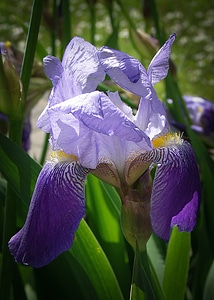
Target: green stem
{"type": "Point", "coordinates": [141, 281]}
{"type": "Point", "coordinates": [66, 24]}
{"type": "Point", "coordinates": [44, 149]}
{"type": "Point", "coordinates": [129, 19]}
{"type": "Point", "coordinates": [3, 84]}
{"type": "Point", "coordinates": [145, 284]}
{"type": "Point", "coordinates": [92, 21]}
{"type": "Point", "coordinates": [7, 267]}
{"type": "Point", "coordinates": [156, 20]}
{"type": "Point", "coordinates": [35, 19]}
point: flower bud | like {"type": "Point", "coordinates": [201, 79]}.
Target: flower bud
{"type": "Point", "coordinates": [135, 213]}
{"type": "Point", "coordinates": [11, 94]}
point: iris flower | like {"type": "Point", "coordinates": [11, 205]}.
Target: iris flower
{"type": "Point", "coordinates": [91, 131]}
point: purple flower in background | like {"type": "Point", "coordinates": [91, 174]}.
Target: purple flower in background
{"type": "Point", "coordinates": [201, 113]}
{"type": "Point", "coordinates": [94, 132]}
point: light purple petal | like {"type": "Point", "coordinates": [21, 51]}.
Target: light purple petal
{"type": "Point", "coordinates": [80, 71]}
{"type": "Point", "coordinates": [56, 209]}
{"type": "Point", "coordinates": [151, 116]}
{"type": "Point", "coordinates": [159, 66]}
{"type": "Point", "coordinates": [176, 189]}
{"type": "Point", "coordinates": [78, 124]}
{"type": "Point", "coordinates": [125, 70]}
{"type": "Point", "coordinates": [81, 62]}
{"type": "Point", "coordinates": [53, 68]}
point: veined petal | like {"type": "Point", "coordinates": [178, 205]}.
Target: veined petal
{"type": "Point", "coordinates": [80, 72]}
{"type": "Point", "coordinates": [81, 61]}
{"type": "Point", "coordinates": [125, 70]}
{"type": "Point", "coordinates": [176, 189]}
{"type": "Point", "coordinates": [159, 66]}
{"type": "Point", "coordinates": [53, 68]}
{"type": "Point", "coordinates": [56, 209]}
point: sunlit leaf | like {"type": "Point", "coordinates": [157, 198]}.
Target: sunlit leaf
{"type": "Point", "coordinates": [177, 265]}
{"type": "Point", "coordinates": [103, 216]}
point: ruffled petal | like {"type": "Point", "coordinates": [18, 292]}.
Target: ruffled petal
{"type": "Point", "coordinates": [81, 62]}
{"type": "Point", "coordinates": [125, 70]}
{"type": "Point", "coordinates": [80, 126]}
{"type": "Point", "coordinates": [176, 189]}
{"type": "Point", "coordinates": [56, 209]}
{"type": "Point", "coordinates": [159, 66]}
{"type": "Point", "coordinates": [80, 72]}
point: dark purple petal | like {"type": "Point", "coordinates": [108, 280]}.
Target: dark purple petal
{"type": "Point", "coordinates": [176, 189]}
{"type": "Point", "coordinates": [125, 70]}
{"type": "Point", "coordinates": [159, 66]}
{"type": "Point", "coordinates": [56, 209]}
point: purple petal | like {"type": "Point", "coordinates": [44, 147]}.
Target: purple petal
{"type": "Point", "coordinates": [81, 126]}
{"type": "Point", "coordinates": [125, 70]}
{"type": "Point", "coordinates": [53, 68]}
{"type": "Point", "coordinates": [159, 65]}
{"type": "Point", "coordinates": [151, 116]}
{"type": "Point", "coordinates": [56, 209]}
{"type": "Point", "coordinates": [80, 72]}
{"type": "Point", "coordinates": [81, 62]}
{"type": "Point", "coordinates": [176, 189]}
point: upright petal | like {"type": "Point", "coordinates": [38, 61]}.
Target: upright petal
{"type": "Point", "coordinates": [56, 208]}
{"type": "Point", "coordinates": [159, 66]}
{"type": "Point", "coordinates": [81, 62]}
{"type": "Point", "coordinates": [151, 115]}
{"type": "Point", "coordinates": [80, 72]}
{"type": "Point", "coordinates": [53, 68]}
{"type": "Point", "coordinates": [176, 189]}
{"type": "Point", "coordinates": [125, 70]}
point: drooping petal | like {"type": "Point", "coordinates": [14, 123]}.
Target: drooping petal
{"type": "Point", "coordinates": [159, 66]}
{"type": "Point", "coordinates": [125, 70]}
{"type": "Point", "coordinates": [176, 189]}
{"type": "Point", "coordinates": [56, 209]}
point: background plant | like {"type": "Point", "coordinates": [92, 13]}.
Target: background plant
{"type": "Point", "coordinates": [100, 263]}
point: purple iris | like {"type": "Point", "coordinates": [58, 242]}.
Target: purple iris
{"type": "Point", "coordinates": [94, 132]}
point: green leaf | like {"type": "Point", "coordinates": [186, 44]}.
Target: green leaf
{"type": "Point", "coordinates": [177, 265]}
{"type": "Point", "coordinates": [209, 290]}
{"type": "Point", "coordinates": [157, 252]}
{"type": "Point", "coordinates": [88, 252]}
{"type": "Point", "coordinates": [136, 293]}
{"type": "Point", "coordinates": [20, 170]}
{"type": "Point", "coordinates": [103, 217]}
